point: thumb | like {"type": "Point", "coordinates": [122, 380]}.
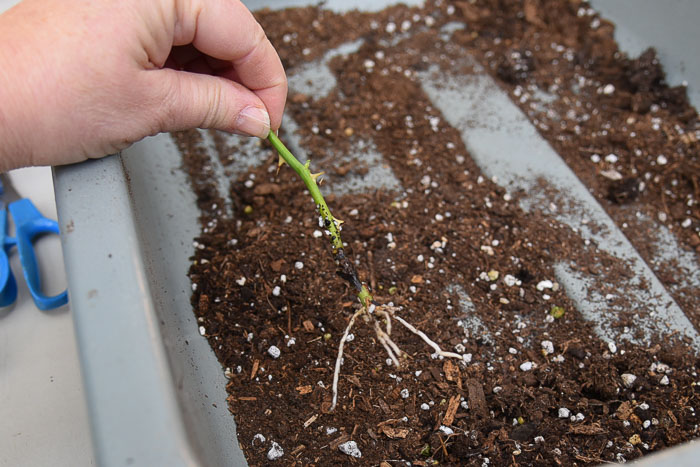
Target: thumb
{"type": "Point", "coordinates": [193, 100]}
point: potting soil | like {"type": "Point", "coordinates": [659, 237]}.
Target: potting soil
{"type": "Point", "coordinates": [431, 234]}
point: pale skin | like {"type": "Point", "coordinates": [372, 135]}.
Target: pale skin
{"type": "Point", "coordinates": [82, 79]}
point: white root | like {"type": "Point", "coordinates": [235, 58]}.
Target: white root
{"type": "Point", "coordinates": [385, 341]}
{"type": "Point", "coordinates": [386, 335]}
{"type": "Point", "coordinates": [339, 359]}
{"type": "Point", "coordinates": [395, 347]}
{"type": "Point", "coordinates": [427, 340]}
{"type": "Point", "coordinates": [387, 315]}
{"type": "Point", "coordinates": [384, 338]}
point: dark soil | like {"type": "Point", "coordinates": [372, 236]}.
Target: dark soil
{"type": "Point", "coordinates": [539, 389]}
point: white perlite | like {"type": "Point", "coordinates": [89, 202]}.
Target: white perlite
{"type": "Point", "coordinates": [548, 347]}
{"type": "Point", "coordinates": [660, 368]}
{"type": "Point", "coordinates": [404, 393]}
{"type": "Point", "coordinates": [275, 452]}
{"type": "Point", "coordinates": [628, 379]}
{"type": "Point", "coordinates": [274, 351]}
{"type": "Point", "coordinates": [527, 366]}
{"type": "Point", "coordinates": [564, 412]}
{"type": "Point", "coordinates": [546, 284]}
{"type": "Point", "coordinates": [510, 280]}
{"type": "Point", "coordinates": [350, 448]}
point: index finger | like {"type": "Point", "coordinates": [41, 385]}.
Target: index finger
{"type": "Point", "coordinates": [226, 30]}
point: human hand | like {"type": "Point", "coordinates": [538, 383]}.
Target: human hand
{"type": "Point", "coordinates": [86, 78]}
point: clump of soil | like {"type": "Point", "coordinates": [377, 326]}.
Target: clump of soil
{"type": "Point", "coordinates": [452, 249]}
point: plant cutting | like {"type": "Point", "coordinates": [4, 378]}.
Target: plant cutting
{"type": "Point", "coordinates": [378, 316]}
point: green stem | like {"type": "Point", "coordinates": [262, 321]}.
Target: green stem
{"type": "Point", "coordinates": [364, 296]}
{"type": "Point", "coordinates": [346, 268]}
{"type": "Point", "coordinates": [309, 179]}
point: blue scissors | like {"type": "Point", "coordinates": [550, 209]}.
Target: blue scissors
{"type": "Point", "coordinates": [29, 225]}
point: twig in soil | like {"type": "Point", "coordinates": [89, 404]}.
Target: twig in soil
{"type": "Point", "coordinates": [370, 265]}
{"type": "Point", "coordinates": [443, 447]}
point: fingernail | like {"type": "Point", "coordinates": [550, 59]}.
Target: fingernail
{"type": "Point", "coordinates": [253, 121]}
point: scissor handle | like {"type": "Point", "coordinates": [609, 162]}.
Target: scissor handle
{"type": "Point", "coordinates": [8, 284]}
{"type": "Point", "coordinates": [29, 224]}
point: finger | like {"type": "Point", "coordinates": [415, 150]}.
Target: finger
{"type": "Point", "coordinates": [226, 30]}
{"type": "Point", "coordinates": [191, 100]}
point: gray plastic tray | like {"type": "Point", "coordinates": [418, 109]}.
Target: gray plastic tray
{"type": "Point", "coordinates": [156, 393]}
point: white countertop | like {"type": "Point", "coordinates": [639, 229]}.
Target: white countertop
{"type": "Point", "coordinates": [43, 416]}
